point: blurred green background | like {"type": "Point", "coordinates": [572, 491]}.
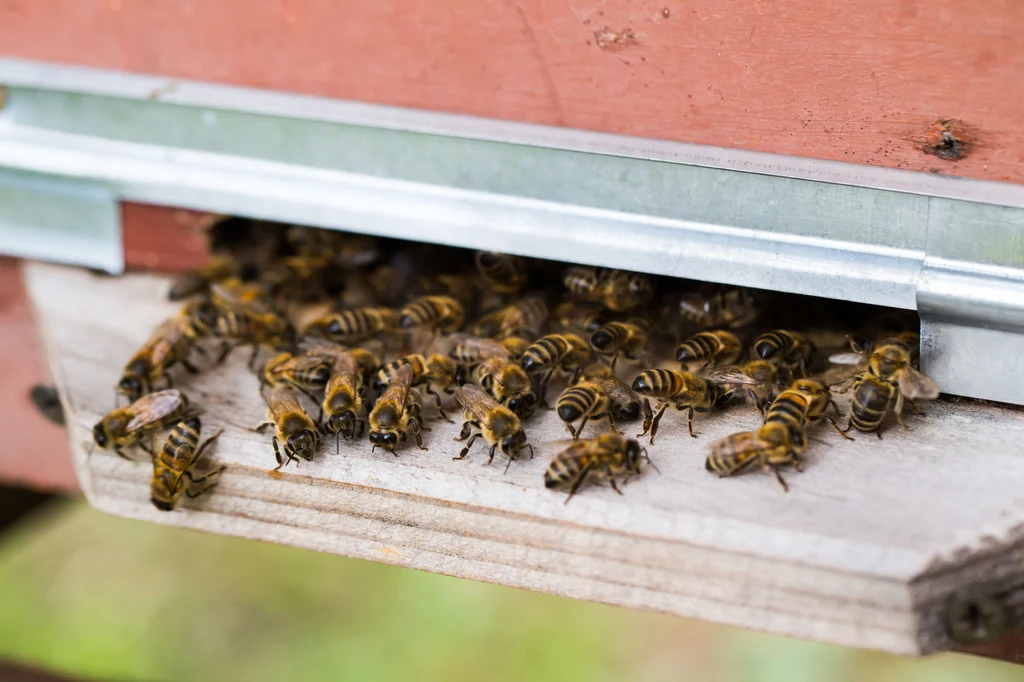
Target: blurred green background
{"type": "Point", "coordinates": [96, 596]}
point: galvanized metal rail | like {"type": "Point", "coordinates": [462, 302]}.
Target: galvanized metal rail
{"type": "Point", "coordinates": [951, 248]}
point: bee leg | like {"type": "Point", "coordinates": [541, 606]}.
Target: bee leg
{"type": "Point", "coordinates": [778, 476]}
{"type": "Point", "coordinates": [573, 432]}
{"type": "Point", "coordinates": [262, 427]}
{"type": "Point", "coordinates": [914, 407]}
{"type": "Point", "coordinates": [202, 447]}
{"type": "Point", "coordinates": [531, 450]}
{"type": "Point", "coordinates": [578, 481]}
{"type": "Point", "coordinates": [834, 407]}
{"type": "Point", "coordinates": [193, 494]}
{"type": "Point", "coordinates": [757, 402]}
{"type": "Point", "coordinates": [189, 367]}
{"type": "Point", "coordinates": [648, 416]}
{"type": "Point", "coordinates": [440, 407]}
{"type": "Point", "coordinates": [120, 453]}
{"type": "Point", "coordinates": [203, 477]}
{"type": "Point", "coordinates": [255, 354]}
{"type": "Point", "coordinates": [899, 410]}
{"type": "Point", "coordinates": [225, 351]}
{"type": "Point", "coordinates": [689, 422]}
{"type": "Point", "coordinates": [277, 456]}
{"type": "Point", "coordinates": [657, 420]}
{"type": "Point", "coordinates": [416, 428]}
{"type": "Point", "coordinates": [490, 454]}
{"type": "Point", "coordinates": [615, 358]}
{"type": "Point", "coordinates": [465, 450]}
{"type": "Point", "coordinates": [464, 434]}
{"type": "Point", "coordinates": [835, 426]}
{"type": "Point", "coordinates": [611, 422]}
{"type": "Point", "coordinates": [579, 430]}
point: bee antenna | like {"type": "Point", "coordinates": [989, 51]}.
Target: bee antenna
{"type": "Point", "coordinates": [508, 465]}
{"type": "Point", "coordinates": [89, 449]}
{"type": "Point", "coordinates": [337, 442]}
{"type": "Point", "coordinates": [648, 458]}
{"type": "Point", "coordinates": [531, 449]}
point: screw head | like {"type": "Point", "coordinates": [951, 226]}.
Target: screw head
{"type": "Point", "coordinates": [973, 617]}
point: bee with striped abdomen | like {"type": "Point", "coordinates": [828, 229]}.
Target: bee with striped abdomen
{"type": "Point", "coordinates": [784, 347]}
{"type": "Point", "coordinates": [506, 274]}
{"type": "Point", "coordinates": [617, 290]}
{"type": "Point", "coordinates": [305, 373]}
{"type": "Point", "coordinates": [682, 390]}
{"type": "Point", "coordinates": [396, 412]}
{"type": "Point", "coordinates": [524, 317]}
{"type": "Point", "coordinates": [620, 338]}
{"type": "Point", "coordinates": [342, 407]}
{"type": "Point", "coordinates": [435, 371]}
{"type": "Point", "coordinates": [294, 431]}
{"type": "Point", "coordinates": [469, 349]}
{"type": "Point", "coordinates": [353, 325]}
{"type": "Point", "coordinates": [731, 307]}
{"type": "Point", "coordinates": [761, 381]}
{"type": "Point", "coordinates": [607, 457]}
{"type": "Point", "coordinates": [126, 426]}
{"type": "Point", "coordinates": [197, 282]}
{"type": "Point", "coordinates": [507, 383]}
{"type": "Point", "coordinates": [597, 395]}
{"type": "Point", "coordinates": [239, 324]}
{"type": "Point", "coordinates": [566, 352]}
{"type": "Point", "coordinates": [176, 462]}
{"type": "Point", "coordinates": [440, 313]}
{"type": "Point", "coordinates": [498, 425]}
{"type": "Point", "coordinates": [169, 344]}
{"type": "Point", "coordinates": [709, 349]}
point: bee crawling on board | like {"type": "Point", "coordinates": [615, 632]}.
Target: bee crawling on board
{"type": "Point", "coordinates": [619, 338]}
{"type": "Point", "coordinates": [396, 412]}
{"type": "Point", "coordinates": [434, 372]}
{"type": "Point", "coordinates": [709, 349]}
{"type": "Point", "coordinates": [295, 434]}
{"type": "Point", "coordinates": [353, 325]}
{"type": "Point", "coordinates": [169, 344]}
{"type": "Point", "coordinates": [439, 313]}
{"type": "Point", "coordinates": [889, 380]}
{"type": "Point", "coordinates": [684, 391]}
{"type": "Point", "coordinates": [498, 425]}
{"type": "Point", "coordinates": [599, 394]}
{"type": "Point", "coordinates": [607, 457]}
{"type": "Point", "coordinates": [304, 373]}
{"type": "Point", "coordinates": [342, 409]}
{"type": "Point", "coordinates": [618, 290]}
{"type": "Point", "coordinates": [791, 349]}
{"type": "Point", "coordinates": [566, 352]}
{"type": "Point", "coordinates": [126, 426]}
{"type": "Point", "coordinates": [174, 466]}
{"type": "Point", "coordinates": [506, 274]}
{"type": "Point", "coordinates": [523, 317]}
{"type": "Point", "coordinates": [238, 324]}
{"type": "Point", "coordinates": [507, 382]}
{"type": "Point", "coordinates": [759, 380]}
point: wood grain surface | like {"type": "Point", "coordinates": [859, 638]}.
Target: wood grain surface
{"type": "Point", "coordinates": [861, 83]}
{"type": "Point", "coordinates": [865, 549]}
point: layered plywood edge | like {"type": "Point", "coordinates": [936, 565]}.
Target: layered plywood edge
{"type": "Point", "coordinates": [865, 550]}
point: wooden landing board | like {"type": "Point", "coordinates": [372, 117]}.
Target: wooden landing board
{"type": "Point", "coordinates": [864, 550]}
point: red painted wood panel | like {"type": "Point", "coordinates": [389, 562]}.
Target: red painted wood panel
{"type": "Point", "coordinates": [831, 79]}
{"type": "Point", "coordinates": [163, 239]}
{"type": "Point", "coordinates": [35, 452]}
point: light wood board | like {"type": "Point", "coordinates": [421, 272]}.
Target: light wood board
{"type": "Point", "coordinates": [864, 550]}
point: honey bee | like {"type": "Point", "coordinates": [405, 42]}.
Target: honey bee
{"type": "Point", "coordinates": [599, 394]}
{"type": "Point", "coordinates": [508, 383]}
{"type": "Point", "coordinates": [169, 344]}
{"type": "Point", "coordinates": [294, 432]}
{"type": "Point", "coordinates": [343, 402]}
{"type": "Point", "coordinates": [760, 380]}
{"type": "Point", "coordinates": [498, 425]}
{"type": "Point", "coordinates": [525, 317]}
{"type": "Point", "coordinates": [506, 274]}
{"type": "Point", "coordinates": [781, 439]}
{"type": "Point", "coordinates": [396, 411]}
{"type": "Point", "coordinates": [617, 290]}
{"type": "Point", "coordinates": [789, 348]}
{"type": "Point", "coordinates": [709, 349]}
{"type": "Point", "coordinates": [620, 338]}
{"type": "Point", "coordinates": [197, 282]}
{"type": "Point", "coordinates": [889, 380]}
{"type": "Point", "coordinates": [176, 462]}
{"type": "Point", "coordinates": [682, 390]}
{"type": "Point", "coordinates": [304, 373]}
{"type": "Point", "coordinates": [441, 313]}
{"type": "Point", "coordinates": [469, 350]}
{"type": "Point", "coordinates": [353, 324]}
{"type": "Point", "coordinates": [567, 352]}
{"type": "Point", "coordinates": [577, 317]}
{"type": "Point", "coordinates": [436, 370]}
{"type": "Point", "coordinates": [126, 426]}
{"type": "Point", "coordinates": [862, 349]}
{"type": "Point", "coordinates": [731, 307]}
{"type": "Point", "coordinates": [607, 457]}
{"type": "Point", "coordinates": [239, 324]}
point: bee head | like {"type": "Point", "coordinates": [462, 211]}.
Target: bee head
{"type": "Point", "coordinates": [340, 422]}
{"type": "Point", "coordinates": [511, 446]}
{"type": "Point", "coordinates": [385, 439]}
{"type": "Point", "coordinates": [130, 386]}
{"type": "Point", "coordinates": [523, 405]}
{"type": "Point", "coordinates": [162, 505]}
{"type": "Point", "coordinates": [634, 452]}
{"type": "Point", "coordinates": [302, 442]}
{"type": "Point", "coordinates": [99, 434]}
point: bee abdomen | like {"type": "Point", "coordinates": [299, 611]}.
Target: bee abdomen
{"type": "Point", "coordinates": [387, 373]}
{"type": "Point", "coordinates": [544, 352]}
{"type": "Point", "coordinates": [658, 383]}
{"type": "Point", "coordinates": [575, 402]}
{"type": "Point", "coordinates": [561, 472]}
{"type": "Point", "coordinates": [502, 271]}
{"type": "Point", "coordinates": [869, 406]}
{"type": "Point", "coordinates": [581, 281]}
{"type": "Point", "coordinates": [697, 347]}
{"type": "Point", "coordinates": [610, 335]}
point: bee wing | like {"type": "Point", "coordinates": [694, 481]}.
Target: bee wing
{"type": "Point", "coordinates": [616, 390]}
{"type": "Point", "coordinates": [398, 390]}
{"type": "Point", "coordinates": [301, 363]}
{"type": "Point", "coordinates": [914, 384]}
{"type": "Point", "coordinates": [281, 400]}
{"type": "Point", "coordinates": [846, 358]}
{"type": "Point", "coordinates": [731, 374]}
{"type": "Point", "coordinates": [163, 340]}
{"type": "Point", "coordinates": [742, 448]}
{"type": "Point", "coordinates": [313, 345]}
{"type": "Point", "coordinates": [475, 400]}
{"type": "Point", "coordinates": [154, 407]}
{"type": "Point", "coordinates": [487, 348]}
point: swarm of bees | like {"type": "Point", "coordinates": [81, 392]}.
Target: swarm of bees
{"type": "Point", "coordinates": [359, 338]}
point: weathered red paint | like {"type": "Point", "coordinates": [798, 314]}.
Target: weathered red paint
{"type": "Point", "coordinates": [35, 452]}
{"type": "Point", "coordinates": [856, 82]}
{"type": "Point", "coordinates": [163, 239]}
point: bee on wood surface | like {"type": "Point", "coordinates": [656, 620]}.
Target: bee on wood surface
{"type": "Point", "coordinates": [498, 425]}
{"type": "Point", "coordinates": [759, 380]}
{"type": "Point", "coordinates": [126, 426]}
{"type": "Point", "coordinates": [174, 472]}
{"type": "Point", "coordinates": [239, 324]}
{"type": "Point", "coordinates": [861, 348]}
{"type": "Point", "coordinates": [169, 344]}
{"type": "Point", "coordinates": [732, 308]}
{"type": "Point", "coordinates": [470, 350]}
{"type": "Point", "coordinates": [197, 282]}
{"type": "Point", "coordinates": [524, 317]}
{"type": "Point", "coordinates": [682, 390]}
{"type": "Point", "coordinates": [607, 457]}
{"type": "Point", "coordinates": [295, 434]}
{"type": "Point", "coordinates": [888, 382]}
{"type": "Point", "coordinates": [396, 412]}
{"type": "Point", "coordinates": [343, 396]}
{"type": "Point", "coordinates": [507, 382]}
{"type": "Point", "coordinates": [781, 439]}
{"type": "Point", "coordinates": [709, 349]}
{"type": "Point", "coordinates": [440, 313]}
{"type": "Point", "coordinates": [619, 338]}
{"type": "Point", "coordinates": [506, 274]}
{"type": "Point", "coordinates": [617, 290]}
{"type": "Point", "coordinates": [567, 352]}
{"type": "Point", "coordinates": [429, 372]}
{"type": "Point", "coordinates": [790, 348]}
{"type": "Point", "coordinates": [304, 373]}
{"type": "Point", "coordinates": [353, 325]}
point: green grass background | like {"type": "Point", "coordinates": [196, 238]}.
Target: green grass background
{"type": "Point", "coordinates": [101, 597]}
